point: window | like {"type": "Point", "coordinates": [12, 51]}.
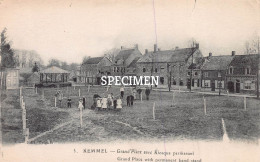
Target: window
{"type": "Point", "coordinates": [181, 83]}
{"type": "Point", "coordinates": [231, 70]}
{"type": "Point", "coordinates": [162, 68]}
{"type": "Point", "coordinates": [247, 84]}
{"type": "Point", "coordinates": [219, 74]}
{"type": "Point", "coordinates": [189, 73]}
{"type": "Point", "coordinates": [156, 70]}
{"type": "Point", "coordinates": [206, 83]}
{"type": "Point", "coordinates": [196, 73]}
{"type": "Point", "coordinates": [162, 80]}
{"type": "Point", "coordinates": [117, 69]}
{"type": "Point", "coordinates": [144, 70]}
{"type": "Point", "coordinates": [247, 71]}
{"type": "Point", "coordinates": [114, 69]}
{"type": "Point", "coordinates": [206, 74]}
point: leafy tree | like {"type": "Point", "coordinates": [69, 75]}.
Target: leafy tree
{"type": "Point", "coordinates": [54, 62]}
{"type": "Point", "coordinates": [7, 54]}
{"type": "Point", "coordinates": [35, 68]}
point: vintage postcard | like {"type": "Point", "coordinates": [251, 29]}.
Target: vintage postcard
{"type": "Point", "coordinates": [130, 80]}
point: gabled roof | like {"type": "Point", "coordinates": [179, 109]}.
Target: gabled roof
{"type": "Point", "coordinates": [244, 60]}
{"type": "Point", "coordinates": [93, 60]}
{"type": "Point", "coordinates": [54, 70]}
{"type": "Point", "coordinates": [199, 63]}
{"type": "Point", "coordinates": [217, 62]}
{"type": "Point", "coordinates": [133, 63]}
{"type": "Point", "coordinates": [176, 55]}
{"type": "Point", "coordinates": [124, 54]}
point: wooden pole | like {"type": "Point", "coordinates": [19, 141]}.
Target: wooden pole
{"type": "Point", "coordinates": [154, 111]}
{"type": "Point", "coordinates": [26, 136]}
{"type": "Point", "coordinates": [173, 96]}
{"type": "Point", "coordinates": [55, 102]}
{"type": "Point", "coordinates": [225, 136]}
{"type": "Point", "coordinates": [245, 103]}
{"type": "Point", "coordinates": [24, 117]}
{"type": "Point", "coordinates": [81, 122]}
{"type": "Point", "coordinates": [42, 94]}
{"type": "Point", "coordinates": [205, 106]}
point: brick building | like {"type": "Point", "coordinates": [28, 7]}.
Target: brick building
{"type": "Point", "coordinates": [242, 72]}
{"type": "Point", "coordinates": [170, 65]}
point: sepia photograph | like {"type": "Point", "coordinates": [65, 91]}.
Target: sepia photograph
{"type": "Point", "coordinates": [130, 80]}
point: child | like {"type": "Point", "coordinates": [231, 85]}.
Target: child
{"type": "Point", "coordinates": [98, 104]}
{"type": "Point", "coordinates": [119, 104]}
{"type": "Point", "coordinates": [80, 104]}
{"type": "Point", "coordinates": [104, 103]}
{"type": "Point", "coordinates": [122, 92]}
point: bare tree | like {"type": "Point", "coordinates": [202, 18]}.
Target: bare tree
{"type": "Point", "coordinates": [111, 54]}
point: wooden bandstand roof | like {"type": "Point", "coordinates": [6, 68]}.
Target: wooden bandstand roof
{"type": "Point", "coordinates": [54, 70]}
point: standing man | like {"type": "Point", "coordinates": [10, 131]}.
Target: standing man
{"type": "Point", "coordinates": [147, 93]}
{"type": "Point", "coordinates": [69, 102]}
{"type": "Point", "coordinates": [122, 92]}
{"type": "Point", "coordinates": [139, 91]}
{"type": "Point", "coordinates": [84, 102]}
{"type": "Point", "coordinates": [60, 97]}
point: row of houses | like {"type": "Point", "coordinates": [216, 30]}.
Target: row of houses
{"type": "Point", "coordinates": [178, 68]}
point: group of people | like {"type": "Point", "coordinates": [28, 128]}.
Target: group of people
{"type": "Point", "coordinates": [106, 102]}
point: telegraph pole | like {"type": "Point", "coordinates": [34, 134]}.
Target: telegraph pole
{"type": "Point", "coordinates": [257, 73]}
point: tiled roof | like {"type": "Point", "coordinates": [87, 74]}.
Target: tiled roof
{"type": "Point", "coordinates": [54, 69]}
{"type": "Point", "coordinates": [199, 63]}
{"type": "Point", "coordinates": [133, 63]}
{"type": "Point", "coordinates": [93, 60]}
{"type": "Point", "coordinates": [217, 62]}
{"type": "Point", "coordinates": [244, 60]}
{"type": "Point", "coordinates": [124, 54]}
{"type": "Point", "coordinates": [168, 55]}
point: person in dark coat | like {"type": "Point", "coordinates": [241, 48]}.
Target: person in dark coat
{"type": "Point", "coordinates": [147, 93]}
{"type": "Point", "coordinates": [84, 102]}
{"type": "Point", "coordinates": [132, 100]}
{"type": "Point", "coordinates": [69, 102]}
{"type": "Point", "coordinates": [128, 100]}
{"type": "Point", "coordinates": [139, 91]}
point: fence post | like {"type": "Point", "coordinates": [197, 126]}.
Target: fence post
{"type": "Point", "coordinates": [24, 117]}
{"type": "Point", "coordinates": [245, 103]}
{"type": "Point", "coordinates": [205, 105]}
{"type": "Point", "coordinates": [173, 96]}
{"type": "Point", "coordinates": [36, 91]}
{"type": "Point", "coordinates": [154, 111]}
{"type": "Point", "coordinates": [55, 102]}
{"type": "Point", "coordinates": [26, 135]}
{"type": "Point", "coordinates": [79, 92]}
{"type": "Point", "coordinates": [81, 122]}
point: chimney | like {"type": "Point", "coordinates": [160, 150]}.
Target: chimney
{"type": "Point", "coordinates": [233, 53]}
{"type": "Point", "coordinates": [155, 48]}
{"type": "Point", "coordinates": [159, 49]}
{"type": "Point", "coordinates": [122, 47]}
{"type": "Point", "coordinates": [136, 46]}
{"type": "Point", "coordinates": [146, 51]}
{"type": "Point", "coordinates": [210, 54]}
{"type": "Point", "coordinates": [197, 45]}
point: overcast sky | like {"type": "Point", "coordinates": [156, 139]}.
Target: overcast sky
{"type": "Point", "coordinates": [70, 29]}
